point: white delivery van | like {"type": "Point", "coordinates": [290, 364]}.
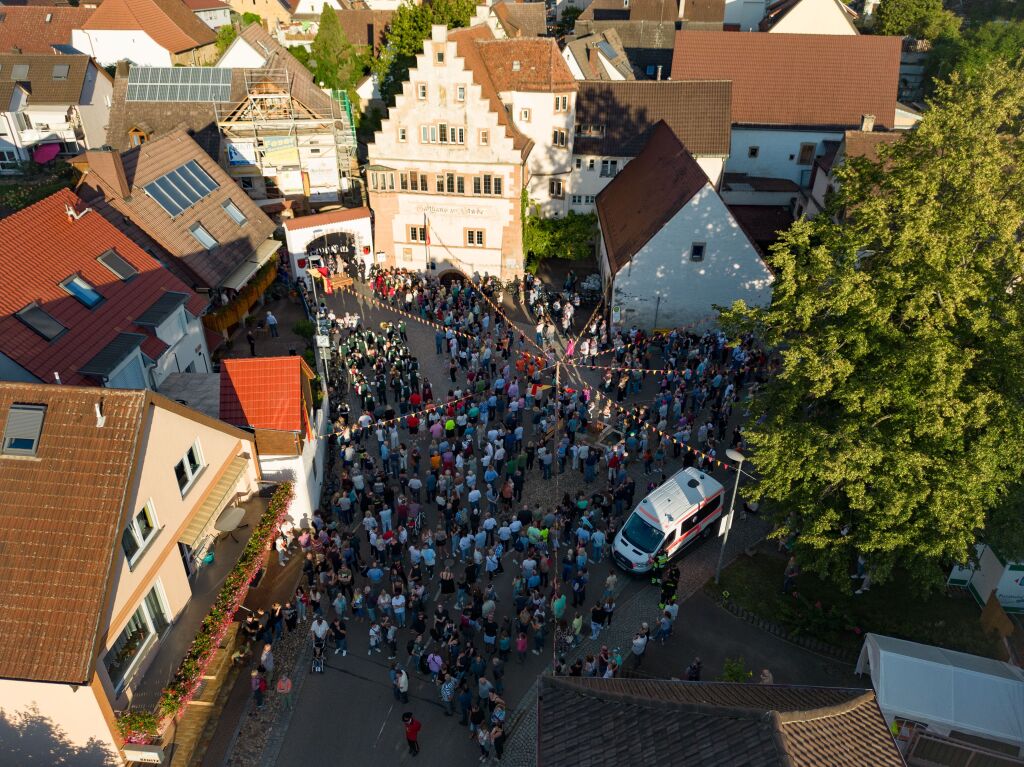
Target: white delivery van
{"type": "Point", "coordinates": [668, 520]}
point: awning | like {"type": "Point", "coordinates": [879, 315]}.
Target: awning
{"type": "Point", "coordinates": [216, 501]}
{"type": "Point", "coordinates": [45, 153]}
{"type": "Point", "coordinates": [237, 279]}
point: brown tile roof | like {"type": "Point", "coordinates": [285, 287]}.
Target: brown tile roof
{"type": "Point", "coordinates": [60, 537]}
{"type": "Point", "coordinates": [40, 85]}
{"type": "Point", "coordinates": [866, 144]}
{"type": "Point", "coordinates": [646, 194]}
{"type": "Point", "coordinates": [710, 724]}
{"type": "Point", "coordinates": [169, 22]}
{"type": "Point", "coordinates": [704, 11]}
{"type": "Point", "coordinates": [322, 219]}
{"type": "Point", "coordinates": [526, 64]}
{"type": "Point", "coordinates": [521, 19]}
{"type": "Point", "coordinates": [62, 247]}
{"type": "Point", "coordinates": [152, 160]}
{"type": "Point", "coordinates": [698, 112]}
{"type": "Point", "coordinates": [647, 43]}
{"type": "Point", "coordinates": [25, 27]}
{"type": "Point", "coordinates": [636, 10]}
{"type": "Point", "coordinates": [762, 223]}
{"type": "Point", "coordinates": [585, 51]}
{"type": "Point", "coordinates": [158, 118]}
{"type": "Point", "coordinates": [364, 26]}
{"type": "Point", "coordinates": [467, 47]}
{"type": "Point", "coordinates": [796, 80]}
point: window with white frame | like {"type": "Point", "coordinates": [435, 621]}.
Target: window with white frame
{"type": "Point", "coordinates": [555, 188]}
{"type": "Point", "coordinates": [402, 135]}
{"type": "Point", "coordinates": [8, 160]}
{"type": "Point", "coordinates": [561, 103]}
{"type": "Point", "coordinates": [475, 238]}
{"type": "Point", "coordinates": [189, 468]}
{"type": "Point", "coordinates": [147, 623]}
{"type": "Point", "coordinates": [485, 137]}
{"type": "Point", "coordinates": [589, 199]}
{"type": "Point", "coordinates": [421, 91]}
{"type": "Point", "coordinates": [577, 199]}
{"type": "Point", "coordinates": [579, 163]}
{"type": "Point", "coordinates": [609, 167]}
{"type": "Point", "coordinates": [23, 429]}
{"type": "Point", "coordinates": [139, 531]}
{"type": "Point", "coordinates": [558, 137]}
{"type": "Point", "coordinates": [234, 213]}
{"type": "Point", "coordinates": [460, 92]}
{"type": "Point", "coordinates": [424, 134]}
{"type": "Point", "coordinates": [202, 236]}
{"type": "Point", "coordinates": [524, 115]}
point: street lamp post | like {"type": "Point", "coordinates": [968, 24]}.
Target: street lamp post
{"type": "Point", "coordinates": [736, 456]}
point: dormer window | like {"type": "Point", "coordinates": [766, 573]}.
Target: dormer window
{"type": "Point", "coordinates": [19, 72]}
{"type": "Point", "coordinates": [137, 137]}
{"type": "Point", "coordinates": [60, 71]}
{"type": "Point", "coordinates": [516, 66]}
{"type": "Point", "coordinates": [24, 425]}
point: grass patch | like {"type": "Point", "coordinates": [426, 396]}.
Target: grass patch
{"type": "Point", "coordinates": [824, 612]}
{"type": "Point", "coordinates": [21, 191]}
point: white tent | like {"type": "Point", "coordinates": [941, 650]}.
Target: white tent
{"type": "Point", "coordinates": [944, 689]}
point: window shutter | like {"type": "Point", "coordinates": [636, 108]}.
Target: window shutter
{"type": "Point", "coordinates": [24, 423]}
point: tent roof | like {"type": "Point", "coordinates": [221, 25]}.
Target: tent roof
{"type": "Point", "coordinates": [945, 689]}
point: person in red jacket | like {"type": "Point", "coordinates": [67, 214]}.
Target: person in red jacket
{"type": "Point", "coordinates": [412, 732]}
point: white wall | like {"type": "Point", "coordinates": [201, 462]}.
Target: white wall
{"type": "Point", "coordinates": [746, 13]}
{"type": "Point", "coordinates": [816, 17]}
{"type": "Point", "coordinates": [299, 469]}
{"type": "Point", "coordinates": [546, 160]}
{"type": "Point", "coordinates": [297, 240]}
{"type": "Point", "coordinates": [108, 46]}
{"type": "Point", "coordinates": [94, 108]}
{"type": "Point", "coordinates": [189, 348]}
{"type": "Point", "coordinates": [241, 55]}
{"type": "Point", "coordinates": [778, 152]}
{"type": "Point", "coordinates": [562, 5]}
{"type": "Point", "coordinates": [574, 66]}
{"type": "Point", "coordinates": [215, 17]}
{"type": "Point", "coordinates": [315, 6]}
{"type": "Point", "coordinates": [731, 269]}
{"type": "Point", "coordinates": [56, 712]}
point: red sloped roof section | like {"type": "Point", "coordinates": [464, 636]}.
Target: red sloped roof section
{"type": "Point", "coordinates": [61, 246]}
{"type": "Point", "coordinates": [264, 393]}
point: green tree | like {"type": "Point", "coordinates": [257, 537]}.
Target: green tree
{"type": "Point", "coordinates": [409, 27]}
{"type": "Point", "coordinates": [569, 237]}
{"type": "Point", "coordinates": [977, 48]}
{"type": "Point", "coordinates": [923, 19]}
{"type": "Point", "coordinates": [567, 23]}
{"type": "Point", "coordinates": [894, 425]}
{"type": "Point", "coordinates": [225, 36]}
{"type": "Point", "coordinates": [336, 62]}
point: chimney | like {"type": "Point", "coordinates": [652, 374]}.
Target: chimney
{"type": "Point", "coordinates": [867, 123]}
{"type": "Point", "coordinates": [120, 179]}
{"type": "Point", "coordinates": [100, 418]}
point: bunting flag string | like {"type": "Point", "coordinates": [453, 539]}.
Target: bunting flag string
{"type": "Point", "coordinates": [639, 422]}
{"type": "Point", "coordinates": [499, 310]}
{"type": "Point", "coordinates": [397, 310]}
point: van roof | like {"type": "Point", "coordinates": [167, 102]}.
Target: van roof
{"type": "Point", "coordinates": [673, 500]}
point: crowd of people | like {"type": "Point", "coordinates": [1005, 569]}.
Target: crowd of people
{"type": "Point", "coordinates": [426, 508]}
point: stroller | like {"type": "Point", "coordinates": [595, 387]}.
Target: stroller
{"type": "Point", "coordinates": [318, 655]}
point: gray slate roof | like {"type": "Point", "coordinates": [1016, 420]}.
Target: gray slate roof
{"type": "Point", "coordinates": [112, 355]}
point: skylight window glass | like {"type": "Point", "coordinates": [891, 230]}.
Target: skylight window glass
{"type": "Point", "coordinates": [82, 290]}
{"type": "Point", "coordinates": [121, 268]}
{"type": "Point", "coordinates": [41, 322]}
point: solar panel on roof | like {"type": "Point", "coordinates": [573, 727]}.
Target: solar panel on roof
{"type": "Point", "coordinates": [606, 48]}
{"type": "Point", "coordinates": [181, 188]}
{"type": "Point", "coordinates": [179, 84]}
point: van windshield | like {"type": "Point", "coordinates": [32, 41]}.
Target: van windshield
{"type": "Point", "coordinates": [642, 534]}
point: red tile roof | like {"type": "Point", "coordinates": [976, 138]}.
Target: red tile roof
{"type": "Point", "coordinates": [526, 64]}
{"type": "Point", "coordinates": [646, 194]}
{"type": "Point", "coordinates": [796, 80]}
{"type": "Point", "coordinates": [265, 393]}
{"type": "Point", "coordinates": [169, 22]}
{"type": "Point", "coordinates": [322, 219]}
{"type": "Point", "coordinates": [26, 27]}
{"type": "Point", "coordinates": [61, 247]}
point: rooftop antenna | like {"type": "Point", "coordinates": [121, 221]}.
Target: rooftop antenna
{"type": "Point", "coordinates": [100, 418]}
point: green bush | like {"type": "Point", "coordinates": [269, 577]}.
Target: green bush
{"type": "Point", "coordinates": [735, 670]}
{"type": "Point", "coordinates": [304, 329]}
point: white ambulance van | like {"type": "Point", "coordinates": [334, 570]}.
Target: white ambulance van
{"type": "Point", "coordinates": [668, 520]}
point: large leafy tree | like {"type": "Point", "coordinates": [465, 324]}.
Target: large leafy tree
{"type": "Point", "coordinates": [923, 19]}
{"type": "Point", "coordinates": [895, 425]}
{"type": "Point", "coordinates": [409, 27]}
{"type": "Point", "coordinates": [336, 62]}
{"type": "Point", "coordinates": [977, 48]}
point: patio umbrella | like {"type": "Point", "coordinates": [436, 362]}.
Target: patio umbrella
{"type": "Point", "coordinates": [45, 153]}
